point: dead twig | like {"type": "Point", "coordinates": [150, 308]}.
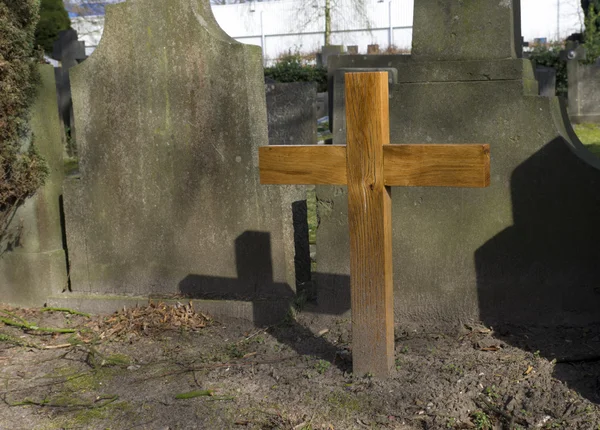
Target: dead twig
{"type": "Point", "coordinates": [256, 333]}
{"type": "Point", "coordinates": [217, 366]}
{"type": "Point", "coordinates": [17, 342]}
{"type": "Point", "coordinates": [510, 419]}
{"type": "Point", "coordinates": [98, 403]}
{"type": "Point", "coordinates": [20, 342]}
{"type": "Point", "coordinates": [35, 387]}
{"type": "Point", "coordinates": [26, 325]}
{"type": "Point", "coordinates": [62, 345]}
{"type": "Point", "coordinates": [66, 311]}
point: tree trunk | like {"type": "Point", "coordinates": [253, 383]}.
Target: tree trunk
{"type": "Point", "coordinates": [327, 22]}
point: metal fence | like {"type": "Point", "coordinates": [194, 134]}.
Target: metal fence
{"type": "Point", "coordinates": [299, 26]}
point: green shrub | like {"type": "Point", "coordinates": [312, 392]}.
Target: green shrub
{"type": "Point", "coordinates": [291, 68]}
{"type": "Point", "coordinates": [22, 170]}
{"type": "Point", "coordinates": [53, 19]}
{"type": "Point", "coordinates": [549, 56]}
{"type": "Point", "coordinates": [592, 35]}
{"type": "Point", "coordinates": [586, 6]}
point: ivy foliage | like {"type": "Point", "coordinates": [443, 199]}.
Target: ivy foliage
{"type": "Point", "coordinates": [22, 170]}
{"type": "Point", "coordinates": [292, 68]}
{"type": "Point", "coordinates": [53, 19]}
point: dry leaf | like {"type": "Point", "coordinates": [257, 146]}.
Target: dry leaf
{"type": "Point", "coordinates": [492, 348]}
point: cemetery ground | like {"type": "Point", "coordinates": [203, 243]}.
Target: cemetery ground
{"type": "Point", "coordinates": [589, 134]}
{"type": "Point", "coordinates": [169, 367]}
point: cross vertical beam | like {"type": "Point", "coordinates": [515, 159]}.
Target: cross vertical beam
{"type": "Point", "coordinates": [370, 223]}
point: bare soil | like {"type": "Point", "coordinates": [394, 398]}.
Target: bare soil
{"type": "Point", "coordinates": [127, 371]}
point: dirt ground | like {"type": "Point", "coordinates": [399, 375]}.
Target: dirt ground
{"type": "Point", "coordinates": [171, 368]}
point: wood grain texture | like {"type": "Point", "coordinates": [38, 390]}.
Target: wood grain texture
{"type": "Point", "coordinates": [437, 165]}
{"type": "Point", "coordinates": [303, 165]}
{"type": "Point", "coordinates": [370, 224]}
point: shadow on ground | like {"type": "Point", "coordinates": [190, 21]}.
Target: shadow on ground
{"type": "Point", "coordinates": [539, 280]}
{"type": "Point", "coordinates": [273, 302]}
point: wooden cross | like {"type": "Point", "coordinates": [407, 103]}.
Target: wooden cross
{"type": "Point", "coordinates": [369, 166]}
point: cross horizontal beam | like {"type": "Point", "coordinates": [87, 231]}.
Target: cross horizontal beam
{"type": "Point", "coordinates": [421, 165]}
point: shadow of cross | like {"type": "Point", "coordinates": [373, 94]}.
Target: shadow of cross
{"type": "Point", "coordinates": [270, 300]}
{"type": "Point", "coordinates": [369, 166]}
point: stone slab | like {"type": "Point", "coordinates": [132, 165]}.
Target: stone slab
{"type": "Point", "coordinates": [408, 70]}
{"type": "Point", "coordinates": [467, 30]}
{"type": "Point", "coordinates": [405, 70]}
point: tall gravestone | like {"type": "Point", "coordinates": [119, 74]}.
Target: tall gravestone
{"type": "Point", "coordinates": [33, 264]}
{"type": "Point", "coordinates": [170, 112]}
{"type": "Point", "coordinates": [523, 251]}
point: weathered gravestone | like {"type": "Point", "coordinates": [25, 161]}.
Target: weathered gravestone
{"type": "Point", "coordinates": [33, 264]}
{"type": "Point", "coordinates": [523, 251]}
{"type": "Point", "coordinates": [69, 51]}
{"type": "Point", "coordinates": [546, 77]}
{"type": "Point", "coordinates": [327, 51]}
{"type": "Point", "coordinates": [353, 50]}
{"type": "Point", "coordinates": [170, 112]}
{"type": "Point", "coordinates": [291, 113]}
{"type": "Point", "coordinates": [372, 49]}
{"type": "Point", "coordinates": [584, 89]}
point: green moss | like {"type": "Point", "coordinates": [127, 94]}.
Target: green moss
{"type": "Point", "coordinates": [71, 166]}
{"type": "Point", "coordinates": [85, 417]}
{"type": "Point", "coordinates": [345, 401]}
{"type": "Point", "coordinates": [589, 134]}
{"type": "Point", "coordinates": [118, 360]}
{"type": "Point", "coordinates": [86, 381]}
{"type": "Point", "coordinates": [194, 394]}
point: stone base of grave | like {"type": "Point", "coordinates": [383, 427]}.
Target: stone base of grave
{"type": "Point", "coordinates": [583, 119]}
{"type": "Point", "coordinates": [29, 278]}
{"type": "Point", "coordinates": [261, 312]}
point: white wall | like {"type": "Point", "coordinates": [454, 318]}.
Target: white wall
{"type": "Point", "coordinates": [542, 18]}
{"type": "Point", "coordinates": [295, 25]}
{"type": "Point", "coordinates": [281, 26]}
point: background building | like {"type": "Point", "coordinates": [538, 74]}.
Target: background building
{"type": "Point", "coordinates": [299, 26]}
